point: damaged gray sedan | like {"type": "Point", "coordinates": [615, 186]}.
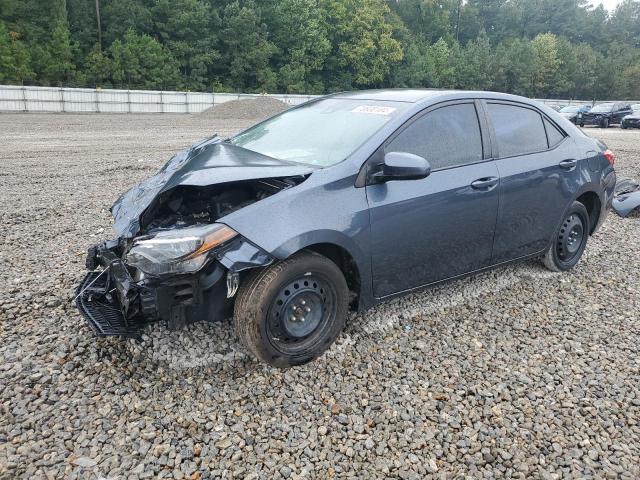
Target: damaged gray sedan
{"type": "Point", "coordinates": [339, 204]}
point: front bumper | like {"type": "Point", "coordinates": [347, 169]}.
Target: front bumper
{"type": "Point", "coordinates": [591, 120]}
{"type": "Point", "coordinates": [113, 303]}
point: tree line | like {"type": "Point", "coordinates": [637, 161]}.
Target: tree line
{"type": "Point", "coordinates": [536, 48]}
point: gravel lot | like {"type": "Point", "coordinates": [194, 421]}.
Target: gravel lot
{"type": "Point", "coordinates": [513, 373]}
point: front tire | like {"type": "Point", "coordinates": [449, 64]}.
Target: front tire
{"type": "Point", "coordinates": [570, 240]}
{"type": "Point", "coordinates": [289, 313]}
{"type": "Point", "coordinates": [605, 123]}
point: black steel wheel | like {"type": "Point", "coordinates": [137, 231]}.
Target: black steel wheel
{"type": "Point", "coordinates": [570, 240]}
{"type": "Point", "coordinates": [289, 313]}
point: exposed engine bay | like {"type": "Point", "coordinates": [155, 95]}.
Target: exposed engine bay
{"type": "Point", "coordinates": [184, 206]}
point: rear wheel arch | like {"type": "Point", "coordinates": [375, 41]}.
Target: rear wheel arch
{"type": "Point", "coordinates": [593, 204]}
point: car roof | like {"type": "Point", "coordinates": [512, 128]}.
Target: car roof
{"type": "Point", "coordinates": [421, 95]}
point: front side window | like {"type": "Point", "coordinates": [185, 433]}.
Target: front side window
{"type": "Point", "coordinates": [446, 137]}
{"type": "Point", "coordinates": [519, 130]}
{"type": "Point", "coordinates": [321, 133]}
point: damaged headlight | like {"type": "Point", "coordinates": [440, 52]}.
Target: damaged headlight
{"type": "Point", "coordinates": [181, 250]}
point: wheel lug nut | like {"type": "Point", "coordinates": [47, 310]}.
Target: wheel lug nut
{"type": "Point", "coordinates": [307, 309]}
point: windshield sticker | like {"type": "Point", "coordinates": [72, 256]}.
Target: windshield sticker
{"type": "Point", "coordinates": [374, 109]}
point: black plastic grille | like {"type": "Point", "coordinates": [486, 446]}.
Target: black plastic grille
{"type": "Point", "coordinates": [103, 316]}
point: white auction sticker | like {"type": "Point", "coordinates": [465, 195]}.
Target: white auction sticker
{"type": "Point", "coordinates": [374, 109]}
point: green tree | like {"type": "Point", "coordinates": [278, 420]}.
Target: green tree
{"type": "Point", "coordinates": [246, 49]}
{"type": "Point", "coordinates": [14, 58]}
{"type": "Point", "coordinates": [120, 16]}
{"type": "Point", "coordinates": [475, 70]}
{"type": "Point", "coordinates": [363, 47]}
{"type": "Point", "coordinates": [99, 68]}
{"type": "Point", "coordinates": [625, 23]}
{"type": "Point", "coordinates": [188, 28]}
{"type": "Point", "coordinates": [546, 64]}
{"type": "Point", "coordinates": [59, 68]}
{"type": "Point", "coordinates": [300, 33]}
{"type": "Point", "coordinates": [514, 67]}
{"type": "Point", "coordinates": [139, 61]}
{"type": "Point", "coordinates": [443, 60]}
{"type": "Point", "coordinates": [430, 19]}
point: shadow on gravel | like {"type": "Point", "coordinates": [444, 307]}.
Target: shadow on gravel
{"type": "Point", "coordinates": [206, 345]}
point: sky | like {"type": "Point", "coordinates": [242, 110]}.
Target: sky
{"type": "Point", "coordinates": [608, 4]}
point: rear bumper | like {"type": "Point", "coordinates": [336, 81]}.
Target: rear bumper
{"type": "Point", "coordinates": [608, 184]}
{"type": "Point", "coordinates": [113, 303]}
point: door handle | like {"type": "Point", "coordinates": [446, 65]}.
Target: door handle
{"type": "Point", "coordinates": [486, 183]}
{"type": "Point", "coordinates": [568, 164]}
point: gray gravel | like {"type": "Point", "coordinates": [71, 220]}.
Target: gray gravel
{"type": "Point", "coordinates": [513, 373]}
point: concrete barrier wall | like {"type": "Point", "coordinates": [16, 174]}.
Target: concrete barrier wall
{"type": "Point", "coordinates": [90, 100]}
{"type": "Point", "coordinates": [54, 99]}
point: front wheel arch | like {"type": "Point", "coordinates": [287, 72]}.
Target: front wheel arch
{"type": "Point", "coordinates": [346, 263]}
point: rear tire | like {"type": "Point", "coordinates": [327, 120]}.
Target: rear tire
{"type": "Point", "coordinates": [582, 125]}
{"type": "Point", "coordinates": [289, 313]}
{"type": "Point", "coordinates": [570, 240]}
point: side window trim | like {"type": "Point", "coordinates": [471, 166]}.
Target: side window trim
{"type": "Point", "coordinates": [485, 134]}
{"type": "Point", "coordinates": [496, 150]}
{"type": "Point", "coordinates": [484, 139]}
{"type": "Point", "coordinates": [546, 120]}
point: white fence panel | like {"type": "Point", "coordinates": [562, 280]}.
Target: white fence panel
{"type": "Point", "coordinates": [53, 99]}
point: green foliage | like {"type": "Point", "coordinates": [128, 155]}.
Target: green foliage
{"type": "Point", "coordinates": [363, 45]}
{"type": "Point", "coordinates": [14, 58]}
{"type": "Point", "coordinates": [139, 61]}
{"type": "Point", "coordinates": [246, 49]}
{"type": "Point", "coordinates": [549, 48]}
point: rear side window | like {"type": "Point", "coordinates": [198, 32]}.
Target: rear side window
{"type": "Point", "coordinates": [554, 135]}
{"type": "Point", "coordinates": [518, 130]}
{"type": "Point", "coordinates": [446, 137]}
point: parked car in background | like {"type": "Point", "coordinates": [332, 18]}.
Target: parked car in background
{"type": "Point", "coordinates": [633, 119]}
{"type": "Point", "coordinates": [605, 114]}
{"type": "Point", "coordinates": [573, 112]}
{"type": "Point", "coordinates": [341, 203]}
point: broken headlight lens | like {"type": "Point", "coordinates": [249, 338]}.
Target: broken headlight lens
{"type": "Point", "coordinates": [178, 251]}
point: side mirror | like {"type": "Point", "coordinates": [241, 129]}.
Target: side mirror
{"type": "Point", "coordinates": [402, 166]}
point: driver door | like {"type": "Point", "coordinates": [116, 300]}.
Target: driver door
{"type": "Point", "coordinates": [442, 226]}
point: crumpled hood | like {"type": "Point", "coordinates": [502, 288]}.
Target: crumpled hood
{"type": "Point", "coordinates": [206, 163]}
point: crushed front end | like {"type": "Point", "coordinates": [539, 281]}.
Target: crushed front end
{"type": "Point", "coordinates": [118, 298]}
{"type": "Point", "coordinates": [173, 259]}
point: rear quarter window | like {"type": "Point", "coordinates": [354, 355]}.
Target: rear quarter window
{"type": "Point", "coordinates": [554, 135]}
{"type": "Point", "coordinates": [519, 130]}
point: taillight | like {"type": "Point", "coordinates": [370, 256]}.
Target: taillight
{"type": "Point", "coordinates": [611, 158]}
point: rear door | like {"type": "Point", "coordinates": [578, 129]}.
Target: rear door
{"type": "Point", "coordinates": [539, 173]}
{"type": "Point", "coordinates": [621, 111]}
{"type": "Point", "coordinates": [423, 231]}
